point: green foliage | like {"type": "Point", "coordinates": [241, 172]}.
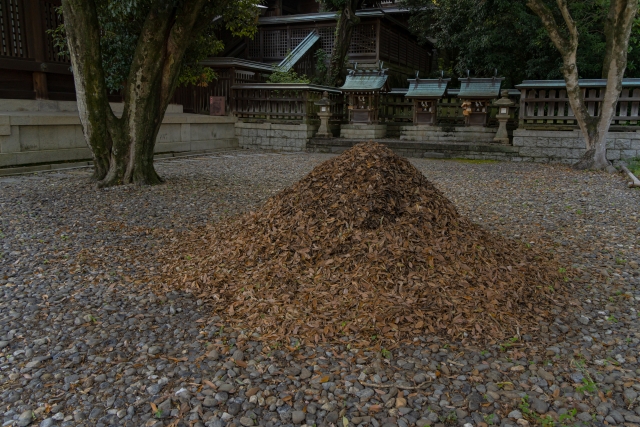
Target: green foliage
{"type": "Point", "coordinates": [481, 36]}
{"type": "Point", "coordinates": [564, 420]}
{"type": "Point", "coordinates": [634, 165]}
{"type": "Point", "coordinates": [280, 76]}
{"type": "Point", "coordinates": [121, 22]}
{"type": "Point", "coordinates": [507, 344]}
{"type": "Point", "coordinates": [588, 386]}
{"type": "Point", "coordinates": [321, 66]}
{"type": "Point", "coordinates": [59, 38]}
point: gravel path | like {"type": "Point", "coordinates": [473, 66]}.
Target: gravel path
{"type": "Point", "coordinates": [83, 343]}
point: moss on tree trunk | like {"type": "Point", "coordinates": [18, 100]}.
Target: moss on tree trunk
{"type": "Point", "coordinates": [347, 20]}
{"type": "Point", "coordinates": [617, 31]}
{"type": "Point", "coordinates": [123, 146]}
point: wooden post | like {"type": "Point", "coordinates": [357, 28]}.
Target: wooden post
{"type": "Point", "coordinates": [378, 40]}
{"type": "Point", "coordinates": [36, 43]}
{"type": "Point", "coordinates": [523, 95]}
{"type": "Point", "coordinates": [261, 35]}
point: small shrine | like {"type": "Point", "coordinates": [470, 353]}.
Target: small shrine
{"type": "Point", "coordinates": [363, 88]}
{"type": "Point", "coordinates": [425, 94]}
{"type": "Point", "coordinates": [476, 95]}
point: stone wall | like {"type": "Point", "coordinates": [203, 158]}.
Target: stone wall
{"type": "Point", "coordinates": [422, 149]}
{"type": "Point", "coordinates": [38, 132]}
{"type": "Point", "coordinates": [569, 146]}
{"type": "Point", "coordinates": [274, 136]}
{"type": "Point", "coordinates": [477, 143]}
{"type": "Point", "coordinates": [440, 134]}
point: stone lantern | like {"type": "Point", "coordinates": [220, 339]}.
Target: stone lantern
{"type": "Point", "coordinates": [324, 112]}
{"type": "Point", "coordinates": [504, 105]}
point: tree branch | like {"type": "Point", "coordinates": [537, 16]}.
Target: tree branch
{"type": "Point", "coordinates": [188, 25]}
{"type": "Point", "coordinates": [568, 50]}
{"type": "Point", "coordinates": [549, 22]}
{"type": "Point", "coordinates": [571, 25]}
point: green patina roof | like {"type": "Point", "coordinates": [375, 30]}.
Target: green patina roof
{"type": "Point", "coordinates": [480, 87]}
{"type": "Point", "coordinates": [427, 88]}
{"type": "Point", "coordinates": [299, 51]}
{"type": "Point", "coordinates": [550, 84]}
{"type": "Point", "coordinates": [365, 81]}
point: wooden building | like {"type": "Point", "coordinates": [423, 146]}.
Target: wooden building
{"type": "Point", "coordinates": [381, 35]}
{"type": "Point", "coordinates": [30, 67]}
{"type": "Point", "coordinates": [290, 32]}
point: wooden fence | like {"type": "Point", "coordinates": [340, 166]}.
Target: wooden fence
{"type": "Point", "coordinates": [283, 103]}
{"type": "Point", "coordinates": [396, 110]}
{"type": "Point", "coordinates": [544, 103]}
{"type": "Point", "coordinates": [195, 98]}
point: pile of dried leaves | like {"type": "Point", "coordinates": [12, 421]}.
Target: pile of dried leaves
{"type": "Point", "coordinates": [365, 247]}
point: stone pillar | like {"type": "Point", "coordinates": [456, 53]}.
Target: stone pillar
{"type": "Point", "coordinates": [324, 112]}
{"type": "Point", "coordinates": [504, 105]}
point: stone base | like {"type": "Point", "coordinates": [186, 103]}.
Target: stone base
{"type": "Point", "coordinates": [439, 134]}
{"type": "Point", "coordinates": [45, 132]}
{"type": "Point", "coordinates": [568, 146]}
{"type": "Point", "coordinates": [363, 131]}
{"type": "Point", "coordinates": [422, 149]}
{"type": "Point", "coordinates": [274, 136]}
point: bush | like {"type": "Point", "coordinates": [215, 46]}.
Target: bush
{"type": "Point", "coordinates": [634, 166]}
{"type": "Point", "coordinates": [280, 76]}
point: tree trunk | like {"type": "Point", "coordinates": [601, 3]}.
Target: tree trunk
{"type": "Point", "coordinates": [123, 147]}
{"type": "Point", "coordinates": [617, 31]}
{"type": "Point", "coordinates": [83, 37]}
{"type": "Point", "coordinates": [344, 29]}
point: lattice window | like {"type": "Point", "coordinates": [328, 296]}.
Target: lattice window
{"type": "Point", "coordinates": [254, 47]}
{"type": "Point", "coordinates": [52, 20]}
{"type": "Point", "coordinates": [275, 43]}
{"type": "Point", "coordinates": [12, 29]}
{"type": "Point", "coordinates": [327, 38]}
{"type": "Point", "coordinates": [363, 39]}
{"type": "Point", "coordinates": [298, 35]}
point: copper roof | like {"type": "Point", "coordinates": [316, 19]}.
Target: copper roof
{"type": "Point", "coordinates": [427, 88]}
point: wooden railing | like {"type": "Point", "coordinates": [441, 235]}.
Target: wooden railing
{"type": "Point", "coordinates": [395, 108]}
{"type": "Point", "coordinates": [283, 102]}
{"type": "Point", "coordinates": [544, 103]}
{"type": "Point", "coordinates": [229, 72]}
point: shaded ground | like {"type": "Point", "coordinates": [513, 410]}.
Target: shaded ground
{"type": "Point", "coordinates": [83, 342]}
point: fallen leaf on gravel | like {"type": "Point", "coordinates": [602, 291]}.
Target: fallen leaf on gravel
{"type": "Point", "coordinates": [241, 363]}
{"type": "Point", "coordinates": [364, 246]}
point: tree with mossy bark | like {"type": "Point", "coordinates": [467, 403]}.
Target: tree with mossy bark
{"type": "Point", "coordinates": [564, 35]}
{"type": "Point", "coordinates": [142, 49]}
{"type": "Point", "coordinates": [347, 21]}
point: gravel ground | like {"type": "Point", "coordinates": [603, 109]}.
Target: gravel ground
{"type": "Point", "coordinates": [84, 343]}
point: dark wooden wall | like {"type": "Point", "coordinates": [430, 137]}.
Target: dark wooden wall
{"type": "Point", "coordinates": [30, 67]}
{"type": "Point", "coordinates": [372, 40]}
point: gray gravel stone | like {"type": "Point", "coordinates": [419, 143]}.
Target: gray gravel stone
{"type": "Point", "coordinates": [538, 405]}
{"type": "Point", "coordinates": [93, 343]}
{"type": "Point", "coordinates": [515, 414]}
{"type": "Point", "coordinates": [25, 418]}
{"type": "Point", "coordinates": [297, 417]}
